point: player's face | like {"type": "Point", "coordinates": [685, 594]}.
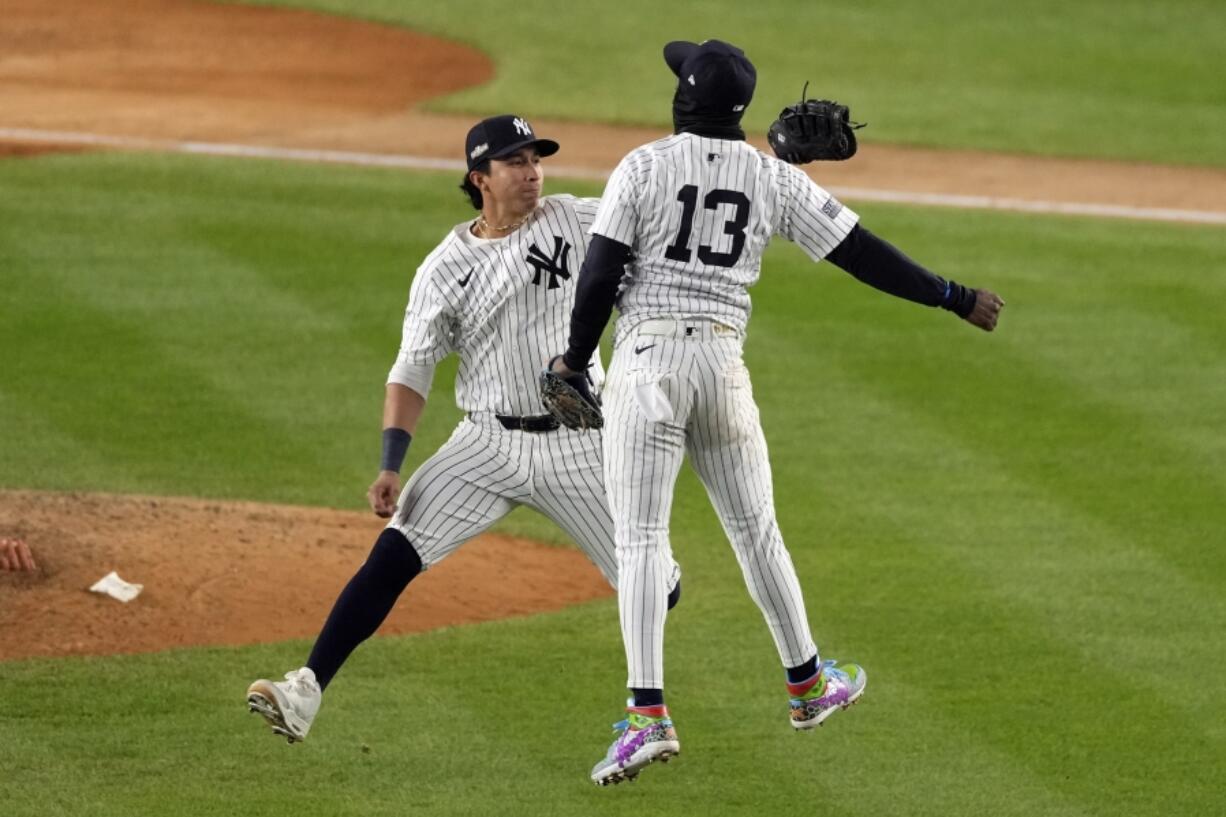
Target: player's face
{"type": "Point", "coordinates": [515, 180]}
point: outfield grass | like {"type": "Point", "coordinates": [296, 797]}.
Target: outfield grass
{"type": "Point", "coordinates": [171, 313]}
{"type": "Point", "coordinates": [1124, 79]}
{"type": "Point", "coordinates": [1015, 533]}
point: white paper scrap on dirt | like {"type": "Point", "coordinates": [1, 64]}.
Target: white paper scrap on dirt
{"type": "Point", "coordinates": [115, 587]}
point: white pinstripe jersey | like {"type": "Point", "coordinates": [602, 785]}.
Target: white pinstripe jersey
{"type": "Point", "coordinates": [503, 305]}
{"type": "Point", "coordinates": [697, 214]}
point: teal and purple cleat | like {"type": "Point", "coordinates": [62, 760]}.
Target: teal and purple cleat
{"type": "Point", "coordinates": [647, 735]}
{"type": "Point", "coordinates": [832, 689]}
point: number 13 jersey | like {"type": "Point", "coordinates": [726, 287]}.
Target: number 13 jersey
{"type": "Point", "coordinates": [697, 214]}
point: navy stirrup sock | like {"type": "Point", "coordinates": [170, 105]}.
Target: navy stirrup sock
{"type": "Point", "coordinates": [364, 603]}
{"type": "Point", "coordinates": [648, 697]}
{"type": "Point", "coordinates": [803, 672]}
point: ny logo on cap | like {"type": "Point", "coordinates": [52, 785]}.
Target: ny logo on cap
{"type": "Point", "coordinates": [521, 126]}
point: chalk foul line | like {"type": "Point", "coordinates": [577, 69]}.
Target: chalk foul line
{"type": "Point", "coordinates": [402, 161]}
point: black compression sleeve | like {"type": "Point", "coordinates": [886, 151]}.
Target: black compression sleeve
{"type": "Point", "coordinates": [595, 294]}
{"type": "Point", "coordinates": [880, 264]}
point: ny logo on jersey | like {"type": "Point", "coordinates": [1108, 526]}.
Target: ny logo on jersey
{"type": "Point", "coordinates": [521, 126]}
{"type": "Point", "coordinates": [555, 265]}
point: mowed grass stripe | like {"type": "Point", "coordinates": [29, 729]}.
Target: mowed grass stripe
{"type": "Point", "coordinates": [921, 733]}
{"type": "Point", "coordinates": [147, 380]}
{"type": "Point", "coordinates": [1060, 497]}
{"type": "Point", "coordinates": [1042, 554]}
{"type": "Point", "coordinates": [1035, 638]}
{"type": "Point", "coordinates": [1084, 428]}
{"type": "Point", "coordinates": [138, 404]}
{"type": "Point", "coordinates": [1039, 76]}
{"type": "Point", "coordinates": [448, 720]}
{"type": "Point", "coordinates": [203, 306]}
{"type": "Point", "coordinates": [1038, 647]}
{"type": "Point", "coordinates": [1079, 453]}
{"type": "Point", "coordinates": [927, 744]}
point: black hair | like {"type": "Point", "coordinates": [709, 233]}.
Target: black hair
{"type": "Point", "coordinates": [471, 190]}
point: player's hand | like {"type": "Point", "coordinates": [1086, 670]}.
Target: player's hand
{"type": "Point", "coordinates": [561, 369]}
{"type": "Point", "coordinates": [987, 309]}
{"type": "Point", "coordinates": [15, 555]}
{"type": "Point", "coordinates": [383, 493]}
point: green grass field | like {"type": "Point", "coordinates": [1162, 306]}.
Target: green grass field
{"type": "Point", "coordinates": [1122, 79]}
{"type": "Point", "coordinates": [1015, 533]}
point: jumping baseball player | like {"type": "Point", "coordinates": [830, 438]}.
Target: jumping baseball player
{"type": "Point", "coordinates": [677, 241]}
{"type": "Point", "coordinates": [498, 292]}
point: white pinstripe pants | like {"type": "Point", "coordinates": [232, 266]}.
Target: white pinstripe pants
{"type": "Point", "coordinates": [671, 392]}
{"type": "Point", "coordinates": [485, 471]}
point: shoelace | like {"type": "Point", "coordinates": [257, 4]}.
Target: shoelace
{"type": "Point", "coordinates": [834, 672]}
{"type": "Point", "coordinates": [298, 683]}
{"type": "Point", "coordinates": [827, 670]}
{"type": "Point", "coordinates": [623, 725]}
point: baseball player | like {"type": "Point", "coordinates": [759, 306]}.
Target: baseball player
{"type": "Point", "coordinates": [677, 241]}
{"type": "Point", "coordinates": [497, 291]}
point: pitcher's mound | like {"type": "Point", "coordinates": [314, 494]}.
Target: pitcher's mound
{"type": "Point", "coordinates": [241, 573]}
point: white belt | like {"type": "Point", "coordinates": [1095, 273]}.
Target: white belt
{"type": "Point", "coordinates": [692, 329]}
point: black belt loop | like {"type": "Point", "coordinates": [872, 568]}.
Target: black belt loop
{"type": "Point", "coordinates": [537, 424]}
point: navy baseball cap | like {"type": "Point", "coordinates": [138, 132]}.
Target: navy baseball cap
{"type": "Point", "coordinates": [716, 75]}
{"type": "Point", "coordinates": [501, 136]}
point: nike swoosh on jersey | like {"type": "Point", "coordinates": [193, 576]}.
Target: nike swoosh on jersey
{"type": "Point", "coordinates": [638, 350]}
{"type": "Point", "coordinates": [464, 281]}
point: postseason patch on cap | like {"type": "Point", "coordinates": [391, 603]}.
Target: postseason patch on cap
{"type": "Point", "coordinates": [832, 208]}
{"type": "Point", "coordinates": [479, 150]}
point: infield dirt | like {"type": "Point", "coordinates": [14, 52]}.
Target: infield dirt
{"type": "Point", "coordinates": [241, 573]}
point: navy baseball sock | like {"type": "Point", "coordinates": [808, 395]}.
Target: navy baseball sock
{"type": "Point", "coordinates": [674, 595]}
{"type": "Point", "coordinates": [648, 697]}
{"type": "Point", "coordinates": [364, 603]}
{"type": "Point", "coordinates": [803, 672]}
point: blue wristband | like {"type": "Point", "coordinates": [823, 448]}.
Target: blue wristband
{"type": "Point", "coordinates": [395, 446]}
{"type": "Point", "coordinates": [958, 299]}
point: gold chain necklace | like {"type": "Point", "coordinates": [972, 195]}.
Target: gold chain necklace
{"type": "Point", "coordinates": [485, 228]}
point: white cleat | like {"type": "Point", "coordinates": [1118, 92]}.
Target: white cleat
{"type": "Point", "coordinates": [288, 706]}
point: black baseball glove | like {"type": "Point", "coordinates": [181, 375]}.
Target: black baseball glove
{"type": "Point", "coordinates": [812, 129]}
{"type": "Point", "coordinates": [570, 399]}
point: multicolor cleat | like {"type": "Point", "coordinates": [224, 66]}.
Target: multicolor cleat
{"type": "Point", "coordinates": [833, 688]}
{"type": "Point", "coordinates": [645, 736]}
